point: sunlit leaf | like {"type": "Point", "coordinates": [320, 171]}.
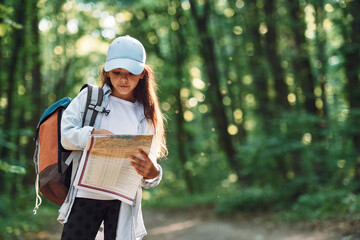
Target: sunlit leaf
{"type": "Point", "coordinates": [12, 168]}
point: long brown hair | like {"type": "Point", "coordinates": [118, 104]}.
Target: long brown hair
{"type": "Point", "coordinates": [145, 93]}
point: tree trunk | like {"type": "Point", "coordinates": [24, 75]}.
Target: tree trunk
{"type": "Point", "coordinates": [302, 67]}
{"type": "Point", "coordinates": [207, 51]}
{"type": "Point", "coordinates": [182, 135]}
{"type": "Point", "coordinates": [272, 54]}
{"type": "Point", "coordinates": [302, 75]}
{"type": "Point", "coordinates": [237, 64]}
{"type": "Point", "coordinates": [322, 168]}
{"type": "Point", "coordinates": [11, 83]}
{"type": "Point", "coordinates": [233, 93]}
{"type": "Point", "coordinates": [280, 103]}
{"type": "Point", "coordinates": [257, 64]}
{"type": "Point", "coordinates": [34, 61]}
{"type": "Point", "coordinates": [37, 61]}
{"type": "Point", "coordinates": [352, 59]}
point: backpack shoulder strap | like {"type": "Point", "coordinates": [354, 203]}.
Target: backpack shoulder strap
{"type": "Point", "coordinates": [93, 104]}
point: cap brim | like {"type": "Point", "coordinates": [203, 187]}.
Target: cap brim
{"type": "Point", "coordinates": [132, 66]}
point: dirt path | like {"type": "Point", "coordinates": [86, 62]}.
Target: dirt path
{"type": "Point", "coordinates": [203, 224]}
{"type": "Point", "coordinates": [197, 224]}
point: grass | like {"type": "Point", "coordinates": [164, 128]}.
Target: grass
{"type": "Point", "coordinates": [21, 223]}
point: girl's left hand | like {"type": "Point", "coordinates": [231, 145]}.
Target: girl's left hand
{"type": "Point", "coordinates": [146, 167]}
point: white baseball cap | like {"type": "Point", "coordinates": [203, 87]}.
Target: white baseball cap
{"type": "Point", "coordinates": [126, 52]}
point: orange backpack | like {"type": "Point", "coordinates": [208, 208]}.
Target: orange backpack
{"type": "Point", "coordinates": [53, 176]}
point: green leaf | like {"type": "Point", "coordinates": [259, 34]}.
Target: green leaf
{"type": "Point", "coordinates": [11, 168]}
{"type": "Point", "coordinates": [13, 24]}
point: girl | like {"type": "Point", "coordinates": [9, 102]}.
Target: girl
{"type": "Point", "coordinates": [130, 96]}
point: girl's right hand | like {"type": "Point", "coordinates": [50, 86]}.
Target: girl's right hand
{"type": "Point", "coordinates": [101, 131]}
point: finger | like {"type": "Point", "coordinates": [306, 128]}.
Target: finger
{"type": "Point", "coordinates": [139, 171]}
{"type": "Point", "coordinates": [144, 154]}
{"type": "Point", "coordinates": [145, 162]}
{"type": "Point", "coordinates": [136, 164]}
{"type": "Point", "coordinates": [137, 160]}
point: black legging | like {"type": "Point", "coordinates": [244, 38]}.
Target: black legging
{"type": "Point", "coordinates": [86, 216]}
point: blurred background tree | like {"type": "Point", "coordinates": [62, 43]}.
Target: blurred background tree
{"type": "Point", "coordinates": [262, 98]}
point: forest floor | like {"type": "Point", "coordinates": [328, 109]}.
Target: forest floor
{"type": "Point", "coordinates": [202, 223]}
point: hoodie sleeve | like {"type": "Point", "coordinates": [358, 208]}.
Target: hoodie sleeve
{"type": "Point", "coordinates": [73, 135]}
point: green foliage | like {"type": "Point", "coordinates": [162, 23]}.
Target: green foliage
{"type": "Point", "coordinates": [17, 220]}
{"type": "Point", "coordinates": [290, 115]}
{"type": "Point", "coordinates": [23, 224]}
{"type": "Point", "coordinates": [11, 168]}
{"type": "Point", "coordinates": [186, 200]}
{"type": "Point", "coordinates": [250, 200]}
{"type": "Point", "coordinates": [323, 204]}
{"type": "Point", "coordinates": [6, 24]}
{"type": "Point", "coordinates": [4, 143]}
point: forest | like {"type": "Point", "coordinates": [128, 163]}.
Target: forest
{"type": "Point", "coordinates": [262, 99]}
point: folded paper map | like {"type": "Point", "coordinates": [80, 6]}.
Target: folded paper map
{"type": "Point", "coordinates": [105, 165]}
